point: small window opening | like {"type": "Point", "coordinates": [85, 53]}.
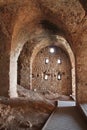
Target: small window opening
{"type": "Point", "coordinates": [59, 61]}
{"type": "Point", "coordinates": [46, 60]}
{"type": "Point", "coordinates": [59, 76]}
{"type": "Point", "coordinates": [52, 50]}
{"type": "Point", "coordinates": [46, 77]}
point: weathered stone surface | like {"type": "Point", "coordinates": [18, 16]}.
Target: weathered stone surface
{"type": "Point", "coordinates": [21, 117]}
{"type": "Point", "coordinates": [24, 24]}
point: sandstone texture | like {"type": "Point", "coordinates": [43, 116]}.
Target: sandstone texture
{"type": "Point", "coordinates": [27, 29]}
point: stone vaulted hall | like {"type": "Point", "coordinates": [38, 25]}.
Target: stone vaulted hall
{"type": "Point", "coordinates": [43, 64]}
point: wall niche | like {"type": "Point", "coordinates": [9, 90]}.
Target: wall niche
{"type": "Point", "coordinates": [50, 70]}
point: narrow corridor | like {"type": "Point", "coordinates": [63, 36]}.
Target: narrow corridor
{"type": "Point", "coordinates": [66, 118]}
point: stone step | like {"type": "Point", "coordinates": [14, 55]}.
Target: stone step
{"type": "Point", "coordinates": [66, 103]}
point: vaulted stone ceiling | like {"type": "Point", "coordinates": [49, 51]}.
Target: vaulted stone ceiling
{"type": "Point", "coordinates": [19, 15]}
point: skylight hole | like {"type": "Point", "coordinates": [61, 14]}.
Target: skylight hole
{"type": "Point", "coordinates": [52, 50]}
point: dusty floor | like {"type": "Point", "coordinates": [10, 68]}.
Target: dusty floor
{"type": "Point", "coordinates": [66, 118]}
{"type": "Point", "coordinates": [29, 112]}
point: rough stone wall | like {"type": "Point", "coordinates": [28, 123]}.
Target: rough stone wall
{"type": "Point", "coordinates": [82, 65]}
{"type": "Point", "coordinates": [40, 69]}
{"type": "Point", "coordinates": [24, 67]}
{"type": "Point", "coordinates": [4, 65]}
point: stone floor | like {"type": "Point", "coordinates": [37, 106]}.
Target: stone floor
{"type": "Point", "coordinates": [66, 118]}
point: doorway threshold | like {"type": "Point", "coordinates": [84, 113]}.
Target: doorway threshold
{"type": "Point", "coordinates": [66, 103]}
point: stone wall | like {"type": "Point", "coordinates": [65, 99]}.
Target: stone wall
{"type": "Point", "coordinates": [82, 68]}
{"type": "Point", "coordinates": [52, 69]}
{"type": "Point", "coordinates": [23, 76]}
{"type": "Point", "coordinates": [4, 65]}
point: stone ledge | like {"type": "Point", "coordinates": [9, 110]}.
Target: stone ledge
{"type": "Point", "coordinates": [83, 108]}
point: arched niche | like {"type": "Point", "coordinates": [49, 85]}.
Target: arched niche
{"type": "Point", "coordinates": [60, 42]}
{"type": "Point", "coordinates": [51, 71]}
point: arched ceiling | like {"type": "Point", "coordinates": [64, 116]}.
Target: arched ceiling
{"type": "Point", "coordinates": [24, 17]}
